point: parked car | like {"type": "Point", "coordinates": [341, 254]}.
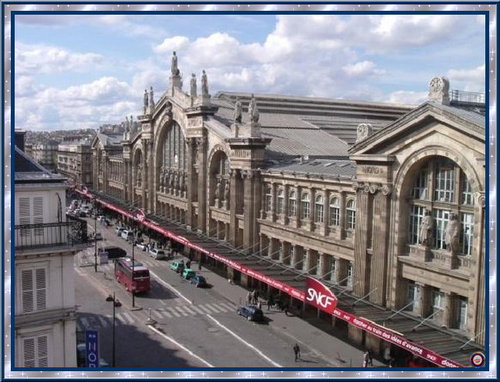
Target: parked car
{"type": "Point", "coordinates": [158, 254]}
{"type": "Point", "coordinates": [114, 252]}
{"type": "Point", "coordinates": [177, 266]}
{"type": "Point", "coordinates": [81, 352]}
{"type": "Point", "coordinates": [98, 236]}
{"type": "Point", "coordinates": [251, 312]}
{"type": "Point", "coordinates": [142, 245]}
{"type": "Point", "coordinates": [188, 273]}
{"type": "Point", "coordinates": [128, 235]}
{"type": "Point", "coordinates": [119, 230]}
{"type": "Point", "coordinates": [199, 281]}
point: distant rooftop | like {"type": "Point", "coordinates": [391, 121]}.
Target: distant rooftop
{"type": "Point", "coordinates": [27, 170]}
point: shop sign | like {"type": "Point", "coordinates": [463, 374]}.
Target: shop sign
{"type": "Point", "coordinates": [319, 296]}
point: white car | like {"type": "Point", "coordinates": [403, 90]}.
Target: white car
{"type": "Point", "coordinates": [158, 254]}
{"type": "Point", "coordinates": [143, 246]}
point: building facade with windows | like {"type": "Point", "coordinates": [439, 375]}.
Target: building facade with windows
{"type": "Point", "coordinates": [45, 242]}
{"type": "Point", "coordinates": [386, 201]}
{"type": "Point", "coordinates": [74, 160]}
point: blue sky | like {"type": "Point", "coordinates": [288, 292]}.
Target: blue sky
{"type": "Point", "coordinates": [87, 70]}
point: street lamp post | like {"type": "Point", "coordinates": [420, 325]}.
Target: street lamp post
{"type": "Point", "coordinates": [116, 304]}
{"type": "Point", "coordinates": [133, 267]}
{"type": "Point", "coordinates": [95, 235]}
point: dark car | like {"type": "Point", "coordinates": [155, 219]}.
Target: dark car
{"type": "Point", "coordinates": [199, 281]}
{"type": "Point", "coordinates": [114, 252]}
{"type": "Point", "coordinates": [251, 312]}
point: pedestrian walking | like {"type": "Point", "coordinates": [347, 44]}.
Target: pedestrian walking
{"type": "Point", "coordinates": [285, 308]}
{"type": "Point", "coordinates": [296, 351]}
{"type": "Point", "coordinates": [199, 265]}
{"type": "Point", "coordinates": [366, 358]}
{"type": "Point", "coordinates": [249, 297]}
{"type": "Point", "coordinates": [370, 357]}
{"type": "Point", "coordinates": [270, 302]}
{"type": "Point", "coordinates": [188, 264]}
{"type": "Point", "coordinates": [259, 305]}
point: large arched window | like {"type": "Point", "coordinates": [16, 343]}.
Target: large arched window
{"type": "Point", "coordinates": [334, 211]}
{"type": "Point", "coordinates": [269, 198]}
{"type": "Point", "coordinates": [292, 204]}
{"type": "Point", "coordinates": [442, 188]}
{"type": "Point", "coordinates": [305, 206]}
{"type": "Point", "coordinates": [281, 202]}
{"type": "Point", "coordinates": [175, 149]}
{"type": "Point", "coordinates": [320, 209]}
{"type": "Point", "coordinates": [351, 213]}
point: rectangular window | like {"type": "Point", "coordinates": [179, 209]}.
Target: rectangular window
{"type": "Point", "coordinates": [416, 216]}
{"type": "Point", "coordinates": [349, 275]}
{"type": "Point", "coordinates": [334, 215]}
{"type": "Point", "coordinates": [441, 218]}
{"type": "Point", "coordinates": [411, 295]}
{"type": "Point", "coordinates": [467, 234]}
{"type": "Point", "coordinates": [463, 304]}
{"type": "Point", "coordinates": [319, 213]}
{"type": "Point", "coordinates": [437, 304]}
{"type": "Point", "coordinates": [467, 197]}
{"type": "Point", "coordinates": [351, 219]}
{"type": "Point", "coordinates": [419, 190]}
{"type": "Point", "coordinates": [306, 212]}
{"type": "Point", "coordinates": [292, 208]}
{"type": "Point", "coordinates": [33, 290]}
{"type": "Point", "coordinates": [281, 204]}
{"type": "Point", "coordinates": [333, 270]}
{"type": "Point", "coordinates": [35, 351]}
{"type": "Point", "coordinates": [445, 182]}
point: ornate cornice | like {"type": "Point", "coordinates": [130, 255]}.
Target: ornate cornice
{"type": "Point", "coordinates": [372, 188]}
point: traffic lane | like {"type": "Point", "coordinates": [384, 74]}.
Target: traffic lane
{"type": "Point", "coordinates": [134, 340]}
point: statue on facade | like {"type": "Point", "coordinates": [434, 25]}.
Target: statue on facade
{"type": "Point", "coordinates": [184, 182]}
{"type": "Point", "coordinates": [176, 184]}
{"type": "Point", "coordinates": [204, 84]}
{"type": "Point", "coordinates": [253, 112]}
{"type": "Point", "coordinates": [226, 191]}
{"type": "Point", "coordinates": [174, 68]}
{"type": "Point", "coordinates": [452, 234]}
{"type": "Point", "coordinates": [181, 183]}
{"type": "Point", "coordinates": [132, 124]}
{"type": "Point", "coordinates": [151, 98]}
{"type": "Point", "coordinates": [162, 182]}
{"type": "Point", "coordinates": [146, 99]}
{"type": "Point", "coordinates": [237, 111]}
{"type": "Point", "coordinates": [139, 175]}
{"type": "Point", "coordinates": [364, 131]}
{"type": "Point", "coordinates": [426, 229]}
{"type": "Point", "coordinates": [192, 86]}
{"type": "Point", "coordinates": [218, 190]}
{"type": "Point", "coordinates": [171, 180]}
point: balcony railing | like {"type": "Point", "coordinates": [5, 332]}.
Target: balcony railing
{"type": "Point", "coordinates": [48, 235]}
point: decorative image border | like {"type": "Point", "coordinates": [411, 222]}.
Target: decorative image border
{"type": "Point", "coordinates": [490, 9]}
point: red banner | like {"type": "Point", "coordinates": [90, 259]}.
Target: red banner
{"type": "Point", "coordinates": [320, 296]}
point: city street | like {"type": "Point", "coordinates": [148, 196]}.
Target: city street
{"type": "Point", "coordinates": [194, 327]}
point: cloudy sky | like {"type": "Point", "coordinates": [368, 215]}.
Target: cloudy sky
{"type": "Point", "coordinates": [84, 71]}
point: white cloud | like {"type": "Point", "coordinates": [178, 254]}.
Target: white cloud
{"type": "Point", "coordinates": [31, 59]}
{"type": "Point", "coordinates": [362, 69]}
{"type": "Point", "coordinates": [468, 79]}
{"type": "Point", "coordinates": [408, 97]}
{"type": "Point", "coordinates": [171, 44]}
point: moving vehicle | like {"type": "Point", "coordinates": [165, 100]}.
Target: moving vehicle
{"type": "Point", "coordinates": [251, 312]}
{"type": "Point", "coordinates": [177, 266]}
{"type": "Point", "coordinates": [188, 273]}
{"type": "Point", "coordinates": [199, 281]}
{"type": "Point", "coordinates": [158, 254]}
{"type": "Point", "coordinates": [98, 236]}
{"type": "Point", "coordinates": [114, 252]}
{"type": "Point", "coordinates": [119, 230]}
{"type": "Point", "coordinates": [135, 277]}
{"type": "Point", "coordinates": [128, 235]}
{"type": "Point", "coordinates": [142, 245]}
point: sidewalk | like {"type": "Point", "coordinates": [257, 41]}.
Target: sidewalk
{"type": "Point", "coordinates": [305, 332]}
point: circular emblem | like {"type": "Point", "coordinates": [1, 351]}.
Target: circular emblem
{"type": "Point", "coordinates": [477, 359]}
{"type": "Point", "coordinates": [436, 84]}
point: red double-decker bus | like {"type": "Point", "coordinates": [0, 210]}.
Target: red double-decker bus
{"type": "Point", "coordinates": [135, 278]}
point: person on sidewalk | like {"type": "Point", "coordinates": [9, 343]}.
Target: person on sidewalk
{"type": "Point", "coordinates": [366, 358]}
{"type": "Point", "coordinates": [296, 350]}
{"type": "Point", "coordinates": [270, 302]}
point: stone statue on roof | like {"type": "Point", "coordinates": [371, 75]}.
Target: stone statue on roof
{"type": "Point", "coordinates": [452, 234]}
{"type": "Point", "coordinates": [174, 68]}
{"type": "Point", "coordinates": [439, 88]}
{"type": "Point", "coordinates": [426, 229]}
{"type": "Point", "coordinates": [364, 131]}
{"type": "Point", "coordinates": [204, 84]}
{"type": "Point", "coordinates": [192, 85]}
{"type": "Point", "coordinates": [146, 98]}
{"type": "Point", "coordinates": [151, 97]}
{"type": "Point", "coordinates": [237, 111]}
{"type": "Point", "coordinates": [253, 112]}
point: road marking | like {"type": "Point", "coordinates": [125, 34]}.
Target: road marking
{"type": "Point", "coordinates": [180, 310]}
{"type": "Point", "coordinates": [197, 309]}
{"type": "Point", "coordinates": [174, 312]}
{"type": "Point", "coordinates": [166, 314]}
{"type": "Point", "coordinates": [128, 317]}
{"type": "Point", "coordinates": [85, 322]}
{"type": "Point", "coordinates": [120, 319]}
{"type": "Point", "coordinates": [163, 302]}
{"type": "Point", "coordinates": [104, 323]}
{"type": "Point", "coordinates": [205, 309]}
{"type": "Point", "coordinates": [157, 314]}
{"type": "Point", "coordinates": [212, 308]}
{"type": "Point", "coordinates": [169, 286]}
{"type": "Point", "coordinates": [245, 342]}
{"type": "Point", "coordinates": [188, 309]}
{"type": "Point", "coordinates": [228, 306]}
{"type": "Point", "coordinates": [179, 345]}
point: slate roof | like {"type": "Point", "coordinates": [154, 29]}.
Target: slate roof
{"type": "Point", "coordinates": [329, 167]}
{"type": "Point", "coordinates": [467, 115]}
{"type": "Point", "coordinates": [27, 170]}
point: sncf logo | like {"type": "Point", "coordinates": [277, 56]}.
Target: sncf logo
{"type": "Point", "coordinates": [320, 296]}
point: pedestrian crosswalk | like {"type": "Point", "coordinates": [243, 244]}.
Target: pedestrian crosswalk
{"type": "Point", "coordinates": [162, 312]}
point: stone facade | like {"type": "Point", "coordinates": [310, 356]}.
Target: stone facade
{"type": "Point", "coordinates": [351, 215]}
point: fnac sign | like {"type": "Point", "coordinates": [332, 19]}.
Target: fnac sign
{"type": "Point", "coordinates": [320, 296]}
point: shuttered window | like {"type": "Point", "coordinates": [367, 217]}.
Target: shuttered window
{"type": "Point", "coordinates": [36, 352]}
{"type": "Point", "coordinates": [34, 290]}
{"type": "Point", "coordinates": [38, 214]}
{"type": "Point", "coordinates": [24, 214]}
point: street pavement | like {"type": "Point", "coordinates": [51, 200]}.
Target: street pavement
{"type": "Point", "coordinates": [197, 327]}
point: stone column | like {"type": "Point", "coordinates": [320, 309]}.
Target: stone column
{"type": "Point", "coordinates": [191, 192]}
{"type": "Point", "coordinates": [202, 184]}
{"type": "Point", "coordinates": [272, 212]}
{"type": "Point", "coordinates": [341, 270]}
{"type": "Point", "coordinates": [249, 208]}
{"type": "Point", "coordinates": [380, 224]}
{"type": "Point", "coordinates": [447, 319]}
{"type": "Point", "coordinates": [151, 179]}
{"type": "Point", "coordinates": [361, 266]}
{"type": "Point", "coordinates": [342, 216]}
{"type": "Point", "coordinates": [321, 269]}
{"type": "Point", "coordinates": [282, 251]}
{"type": "Point", "coordinates": [422, 300]}
{"type": "Point", "coordinates": [306, 264]}
{"type": "Point", "coordinates": [233, 195]}
{"type": "Point", "coordinates": [272, 247]}
{"type": "Point", "coordinates": [105, 175]}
